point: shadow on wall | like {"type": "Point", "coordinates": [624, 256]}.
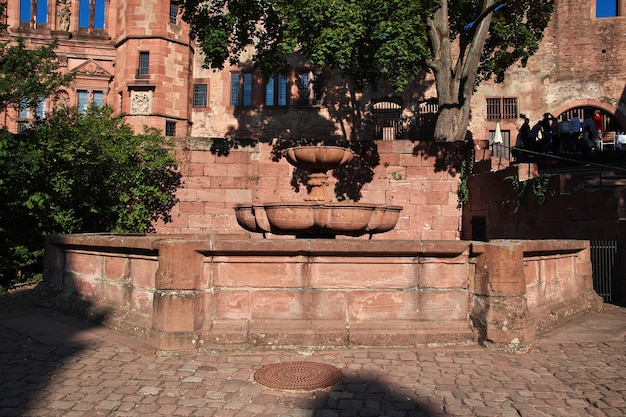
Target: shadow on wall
{"type": "Point", "coordinates": [287, 127]}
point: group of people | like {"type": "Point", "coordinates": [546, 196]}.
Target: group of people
{"type": "Point", "coordinates": [549, 135]}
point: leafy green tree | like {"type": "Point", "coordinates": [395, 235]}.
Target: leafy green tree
{"type": "Point", "coordinates": [28, 75]}
{"type": "Point", "coordinates": [463, 42]}
{"type": "Point", "coordinates": [80, 172]}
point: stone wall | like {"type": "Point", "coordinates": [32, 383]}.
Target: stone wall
{"type": "Point", "coordinates": [578, 63]}
{"type": "Point", "coordinates": [495, 211]}
{"type": "Point", "coordinates": [188, 292]}
{"type": "Point", "coordinates": [218, 174]}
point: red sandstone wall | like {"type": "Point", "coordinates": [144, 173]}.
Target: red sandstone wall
{"type": "Point", "coordinates": [566, 214]}
{"type": "Point", "coordinates": [205, 291]}
{"type": "Point", "coordinates": [579, 63]}
{"type": "Point", "coordinates": [421, 180]}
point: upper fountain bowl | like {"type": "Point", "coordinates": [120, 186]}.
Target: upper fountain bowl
{"type": "Point", "coordinates": [318, 158]}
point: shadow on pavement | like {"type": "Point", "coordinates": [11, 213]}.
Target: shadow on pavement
{"type": "Point", "coordinates": [356, 396]}
{"type": "Point", "coordinates": [35, 343]}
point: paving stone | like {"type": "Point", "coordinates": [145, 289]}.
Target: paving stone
{"type": "Point", "coordinates": [111, 374]}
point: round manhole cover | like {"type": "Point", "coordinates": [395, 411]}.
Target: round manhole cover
{"type": "Point", "coordinates": [298, 375]}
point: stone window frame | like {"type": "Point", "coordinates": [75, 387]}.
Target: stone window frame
{"type": "Point", "coordinates": [170, 128]}
{"type": "Point", "coordinates": [278, 95]}
{"type": "Point", "coordinates": [96, 7]}
{"type": "Point", "coordinates": [200, 99]}
{"type": "Point", "coordinates": [502, 108]}
{"type": "Point", "coordinates": [143, 65]}
{"type": "Point", "coordinates": [34, 8]}
{"type": "Point", "coordinates": [242, 88]}
{"type": "Point", "coordinates": [174, 11]}
{"type": "Point", "coordinates": [310, 93]}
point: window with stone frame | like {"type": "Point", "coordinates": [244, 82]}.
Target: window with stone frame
{"type": "Point", "coordinates": [24, 111]}
{"type": "Point", "coordinates": [33, 14]}
{"type": "Point", "coordinates": [310, 88]}
{"type": "Point", "coordinates": [98, 98]}
{"type": "Point", "coordinates": [200, 95]}
{"type": "Point", "coordinates": [144, 64]}
{"type": "Point", "coordinates": [174, 12]}
{"type": "Point", "coordinates": [82, 100]}
{"type": "Point", "coordinates": [91, 17]}
{"type": "Point", "coordinates": [40, 110]}
{"type": "Point", "coordinates": [608, 8]}
{"type": "Point", "coordinates": [170, 128]}
{"type": "Point", "coordinates": [502, 108]}
{"type": "Point", "coordinates": [276, 92]}
{"type": "Point", "coordinates": [241, 89]}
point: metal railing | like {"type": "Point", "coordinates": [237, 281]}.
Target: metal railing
{"type": "Point", "coordinates": [603, 255]}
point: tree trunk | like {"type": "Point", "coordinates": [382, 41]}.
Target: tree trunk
{"type": "Point", "coordinates": [452, 123]}
{"type": "Point", "coordinates": [455, 64]}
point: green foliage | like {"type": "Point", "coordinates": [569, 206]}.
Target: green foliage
{"type": "Point", "coordinates": [537, 185]}
{"type": "Point", "coordinates": [462, 42]}
{"type": "Point", "coordinates": [28, 75]}
{"type": "Point", "coordinates": [465, 171]}
{"type": "Point", "coordinates": [80, 172]}
{"type": "Point", "coordinates": [516, 30]}
{"type": "Point", "coordinates": [368, 40]}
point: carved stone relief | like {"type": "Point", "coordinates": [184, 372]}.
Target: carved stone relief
{"type": "Point", "coordinates": [140, 102]}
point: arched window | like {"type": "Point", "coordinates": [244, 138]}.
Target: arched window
{"type": "Point", "coordinates": [387, 119]}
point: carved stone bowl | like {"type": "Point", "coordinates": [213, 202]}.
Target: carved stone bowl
{"type": "Point", "coordinates": [314, 219]}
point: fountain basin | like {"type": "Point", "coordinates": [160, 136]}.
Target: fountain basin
{"type": "Point", "coordinates": [317, 219]}
{"type": "Point", "coordinates": [318, 158]}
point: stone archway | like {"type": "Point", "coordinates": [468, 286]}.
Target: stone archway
{"type": "Point", "coordinates": [613, 120]}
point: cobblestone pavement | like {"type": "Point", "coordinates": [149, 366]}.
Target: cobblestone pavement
{"type": "Point", "coordinates": [54, 365]}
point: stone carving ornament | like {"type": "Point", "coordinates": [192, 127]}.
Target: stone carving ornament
{"type": "Point", "coordinates": [140, 102]}
{"type": "Point", "coordinates": [64, 14]}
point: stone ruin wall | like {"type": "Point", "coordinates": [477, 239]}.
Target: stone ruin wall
{"type": "Point", "coordinates": [579, 63]}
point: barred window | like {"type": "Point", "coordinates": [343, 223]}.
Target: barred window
{"type": "Point", "coordinates": [200, 95]}
{"type": "Point", "coordinates": [144, 63]}
{"type": "Point", "coordinates": [173, 13]}
{"type": "Point", "coordinates": [170, 128]}
{"type": "Point", "coordinates": [502, 108]}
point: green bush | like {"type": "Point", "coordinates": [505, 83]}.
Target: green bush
{"type": "Point", "coordinates": [79, 172]}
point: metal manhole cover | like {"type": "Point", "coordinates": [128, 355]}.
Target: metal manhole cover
{"type": "Point", "coordinates": [302, 375]}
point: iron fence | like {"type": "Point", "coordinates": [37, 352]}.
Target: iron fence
{"type": "Point", "coordinates": [603, 256]}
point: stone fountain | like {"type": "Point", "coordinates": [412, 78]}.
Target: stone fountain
{"type": "Point", "coordinates": [236, 290]}
{"type": "Point", "coordinates": [317, 216]}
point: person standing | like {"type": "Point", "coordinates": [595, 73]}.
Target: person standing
{"type": "Point", "coordinates": [555, 128]}
{"type": "Point", "coordinates": [591, 126]}
{"type": "Point", "coordinates": [546, 132]}
{"type": "Point", "coordinates": [576, 128]}
{"type": "Point", "coordinates": [597, 119]}
{"type": "Point", "coordinates": [566, 136]}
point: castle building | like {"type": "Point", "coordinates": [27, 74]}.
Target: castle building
{"type": "Point", "coordinates": [137, 57]}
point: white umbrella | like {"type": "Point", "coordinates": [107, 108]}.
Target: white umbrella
{"type": "Point", "coordinates": [497, 137]}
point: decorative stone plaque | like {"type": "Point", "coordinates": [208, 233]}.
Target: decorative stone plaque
{"type": "Point", "coordinates": [140, 102]}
